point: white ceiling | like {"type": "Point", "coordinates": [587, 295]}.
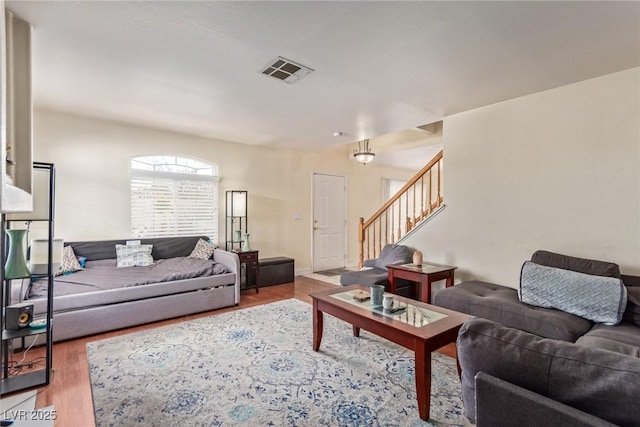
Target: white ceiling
{"type": "Point", "coordinates": [380, 67]}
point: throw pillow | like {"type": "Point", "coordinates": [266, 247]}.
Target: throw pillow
{"type": "Point", "coordinates": [581, 265]}
{"type": "Point", "coordinates": [69, 263]}
{"type": "Point", "coordinates": [82, 260]}
{"type": "Point", "coordinates": [133, 255]}
{"type": "Point", "coordinates": [202, 250]}
{"type": "Point", "coordinates": [596, 298]}
{"type": "Point", "coordinates": [393, 254]}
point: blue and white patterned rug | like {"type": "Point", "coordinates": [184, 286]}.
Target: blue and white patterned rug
{"type": "Point", "coordinates": [256, 367]}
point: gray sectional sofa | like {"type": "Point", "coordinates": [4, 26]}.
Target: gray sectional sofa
{"type": "Point", "coordinates": [100, 298]}
{"type": "Point", "coordinates": [538, 362]}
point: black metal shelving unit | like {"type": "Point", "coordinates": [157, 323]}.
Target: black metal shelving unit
{"type": "Point", "coordinates": [11, 383]}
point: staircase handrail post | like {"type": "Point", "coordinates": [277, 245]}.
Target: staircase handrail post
{"type": "Point", "coordinates": [361, 242]}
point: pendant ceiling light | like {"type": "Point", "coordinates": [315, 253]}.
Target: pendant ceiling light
{"type": "Point", "coordinates": [363, 154]}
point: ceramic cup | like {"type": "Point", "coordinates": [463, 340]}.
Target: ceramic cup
{"type": "Point", "coordinates": [387, 302]}
{"type": "Point", "coordinates": [377, 291]}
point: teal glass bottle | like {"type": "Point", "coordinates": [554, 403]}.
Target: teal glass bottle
{"type": "Point", "coordinates": [246, 246]}
{"type": "Point", "coordinates": [16, 266]}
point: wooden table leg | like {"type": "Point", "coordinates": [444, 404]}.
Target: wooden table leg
{"type": "Point", "coordinates": [317, 326]}
{"type": "Point", "coordinates": [425, 289]}
{"type": "Point", "coordinates": [256, 271]}
{"type": "Point", "coordinates": [449, 282]}
{"type": "Point", "coordinates": [423, 380]}
{"type": "Point", "coordinates": [356, 331]}
{"type": "Point", "coordinates": [392, 281]}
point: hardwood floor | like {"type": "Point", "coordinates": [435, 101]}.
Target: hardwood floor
{"type": "Point", "coordinates": [70, 390]}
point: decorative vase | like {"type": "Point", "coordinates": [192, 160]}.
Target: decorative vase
{"type": "Point", "coordinates": [246, 246]}
{"type": "Point", "coordinates": [16, 265]}
{"type": "Point", "coordinates": [417, 258]}
{"type": "Point", "coordinates": [237, 236]}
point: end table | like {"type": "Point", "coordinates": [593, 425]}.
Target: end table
{"type": "Point", "coordinates": [422, 276]}
{"type": "Point", "coordinates": [250, 261]}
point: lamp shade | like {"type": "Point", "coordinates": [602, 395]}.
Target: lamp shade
{"type": "Point", "coordinates": [39, 256]}
{"type": "Point", "coordinates": [236, 203]}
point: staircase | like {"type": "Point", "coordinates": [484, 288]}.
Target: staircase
{"type": "Point", "coordinates": [417, 200]}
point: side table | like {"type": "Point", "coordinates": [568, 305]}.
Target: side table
{"type": "Point", "coordinates": [422, 275]}
{"type": "Point", "coordinates": [251, 263]}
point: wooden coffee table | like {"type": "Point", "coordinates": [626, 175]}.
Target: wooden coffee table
{"type": "Point", "coordinates": [420, 327]}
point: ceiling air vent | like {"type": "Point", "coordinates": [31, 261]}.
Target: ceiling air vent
{"type": "Point", "coordinates": [286, 70]}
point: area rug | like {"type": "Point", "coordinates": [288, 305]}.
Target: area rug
{"type": "Point", "coordinates": [256, 367]}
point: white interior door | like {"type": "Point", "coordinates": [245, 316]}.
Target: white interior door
{"type": "Point", "coordinates": [329, 221]}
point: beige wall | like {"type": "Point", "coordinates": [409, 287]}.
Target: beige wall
{"type": "Point", "coordinates": [557, 170]}
{"type": "Point", "coordinates": [92, 163]}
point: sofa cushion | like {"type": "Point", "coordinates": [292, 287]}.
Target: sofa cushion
{"type": "Point", "coordinates": [597, 298]}
{"type": "Point", "coordinates": [501, 304]}
{"type": "Point", "coordinates": [609, 345]}
{"type": "Point", "coordinates": [632, 312]}
{"type": "Point", "coordinates": [599, 382]}
{"type": "Point", "coordinates": [581, 265]}
{"type": "Point", "coordinates": [393, 254]}
{"type": "Point", "coordinates": [623, 338]}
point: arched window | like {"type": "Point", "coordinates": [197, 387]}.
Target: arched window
{"type": "Point", "coordinates": [173, 196]}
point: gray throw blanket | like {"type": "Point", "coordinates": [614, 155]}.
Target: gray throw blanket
{"type": "Point", "coordinates": [104, 275]}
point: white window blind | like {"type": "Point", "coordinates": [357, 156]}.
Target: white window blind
{"type": "Point", "coordinates": [173, 204]}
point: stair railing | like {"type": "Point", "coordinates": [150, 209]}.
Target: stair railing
{"type": "Point", "coordinates": [420, 197]}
